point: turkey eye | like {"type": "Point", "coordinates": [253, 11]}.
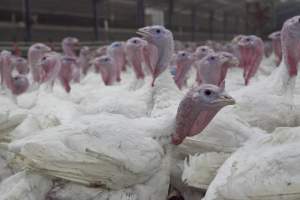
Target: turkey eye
{"type": "Point", "coordinates": [212, 58]}
{"type": "Point", "coordinates": [106, 59]}
{"type": "Point", "coordinates": [203, 50]}
{"type": "Point", "coordinates": [157, 30]}
{"type": "Point", "coordinates": [134, 41]}
{"type": "Point", "coordinates": [207, 92]}
{"type": "Point", "coordinates": [183, 54]}
{"type": "Point", "coordinates": [248, 39]}
{"type": "Point", "coordinates": [44, 58]}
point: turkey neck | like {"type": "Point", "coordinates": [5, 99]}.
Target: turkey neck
{"type": "Point", "coordinates": [7, 71]}
{"type": "Point", "coordinates": [283, 83]}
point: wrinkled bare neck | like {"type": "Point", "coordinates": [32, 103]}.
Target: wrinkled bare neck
{"type": "Point", "coordinates": [7, 70]}
{"type": "Point", "coordinates": [165, 53]}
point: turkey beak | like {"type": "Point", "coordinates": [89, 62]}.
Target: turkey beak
{"type": "Point", "coordinates": [143, 32]}
{"type": "Point", "coordinates": [225, 99]}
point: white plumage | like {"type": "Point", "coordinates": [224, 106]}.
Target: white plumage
{"type": "Point", "coordinates": [266, 168]}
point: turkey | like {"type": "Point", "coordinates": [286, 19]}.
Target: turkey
{"type": "Point", "coordinates": [35, 53]}
{"type": "Point", "coordinates": [265, 168]}
{"type": "Point", "coordinates": [116, 50]}
{"type": "Point", "coordinates": [123, 147]}
{"type": "Point", "coordinates": [251, 54]}
{"type": "Point", "coordinates": [142, 101]}
{"type": "Point", "coordinates": [213, 68]}
{"type": "Point", "coordinates": [200, 53]}
{"type": "Point", "coordinates": [134, 49]}
{"type": "Point", "coordinates": [50, 66]}
{"type": "Point", "coordinates": [68, 72]}
{"type": "Point", "coordinates": [158, 45]}
{"type": "Point", "coordinates": [69, 46]}
{"type": "Point", "coordinates": [273, 95]}
{"type": "Point", "coordinates": [276, 43]}
{"type": "Point", "coordinates": [268, 103]}
{"type": "Point", "coordinates": [108, 69]}
{"type": "Point", "coordinates": [16, 84]}
{"type": "Point", "coordinates": [113, 152]}
{"type": "Point", "coordinates": [184, 61]}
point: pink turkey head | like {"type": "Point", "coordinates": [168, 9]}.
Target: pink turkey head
{"type": "Point", "coordinates": [197, 109]}
{"type": "Point", "coordinates": [69, 45]}
{"type": "Point", "coordinates": [211, 68]}
{"type": "Point", "coordinates": [20, 64]}
{"type": "Point", "coordinates": [117, 51]}
{"type": "Point", "coordinates": [162, 39]}
{"type": "Point", "coordinates": [50, 67]}
{"type": "Point", "coordinates": [184, 61]}
{"type": "Point", "coordinates": [290, 42]}
{"type": "Point", "coordinates": [66, 73]}
{"type": "Point", "coordinates": [276, 44]}
{"type": "Point", "coordinates": [231, 61]}
{"type": "Point", "coordinates": [134, 50]}
{"type": "Point", "coordinates": [35, 53]}
{"type": "Point", "coordinates": [108, 69]}
{"type": "Point", "coordinates": [19, 84]}
{"type": "Point", "coordinates": [202, 51]}
{"type": "Point", "coordinates": [251, 54]}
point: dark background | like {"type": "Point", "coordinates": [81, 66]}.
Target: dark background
{"type": "Point", "coordinates": [190, 20]}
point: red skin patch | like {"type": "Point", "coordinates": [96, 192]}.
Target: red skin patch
{"type": "Point", "coordinates": [108, 72]}
{"type": "Point", "coordinates": [181, 72]}
{"type": "Point", "coordinates": [191, 119]}
{"type": "Point", "coordinates": [224, 70]}
{"type": "Point", "coordinates": [277, 50]}
{"type": "Point", "coordinates": [292, 60]}
{"type": "Point", "coordinates": [135, 57]}
{"type": "Point", "coordinates": [65, 76]}
{"type": "Point", "coordinates": [250, 59]}
{"type": "Point", "coordinates": [290, 44]}
{"type": "Point", "coordinates": [137, 67]}
{"type": "Point", "coordinates": [151, 57]}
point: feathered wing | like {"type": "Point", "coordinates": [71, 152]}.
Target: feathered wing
{"type": "Point", "coordinates": [200, 169]}
{"type": "Point", "coordinates": [109, 156]}
{"type": "Point", "coordinates": [225, 133]}
{"type": "Point", "coordinates": [265, 168]}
